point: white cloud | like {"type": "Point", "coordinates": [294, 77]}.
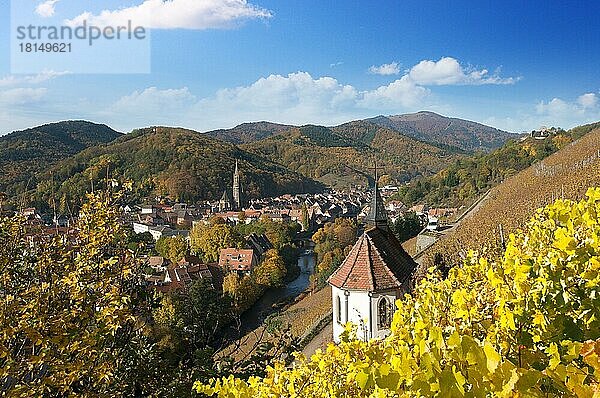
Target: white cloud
{"type": "Point", "coordinates": [300, 98]}
{"type": "Point", "coordinates": [14, 80]}
{"type": "Point", "coordinates": [402, 93]}
{"type": "Point", "coordinates": [585, 103]}
{"type": "Point", "coordinates": [296, 98]}
{"type": "Point", "coordinates": [20, 89]}
{"type": "Point", "coordinates": [556, 106]}
{"type": "Point", "coordinates": [556, 112]}
{"type": "Point", "coordinates": [448, 71]}
{"type": "Point", "coordinates": [385, 69]}
{"type": "Point", "coordinates": [23, 103]}
{"type": "Point", "coordinates": [21, 96]}
{"type": "Point", "coordinates": [294, 90]}
{"type": "Point", "coordinates": [588, 100]}
{"type": "Point", "coordinates": [152, 100]}
{"type": "Point", "coordinates": [46, 9]}
{"type": "Point", "coordinates": [177, 14]}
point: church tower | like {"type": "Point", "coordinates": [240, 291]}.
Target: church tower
{"type": "Point", "coordinates": [376, 273]}
{"type": "Point", "coordinates": [237, 189]}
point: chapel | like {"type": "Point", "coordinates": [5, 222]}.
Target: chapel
{"type": "Point", "coordinates": [376, 272]}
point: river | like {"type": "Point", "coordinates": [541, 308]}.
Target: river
{"type": "Point", "coordinates": [254, 317]}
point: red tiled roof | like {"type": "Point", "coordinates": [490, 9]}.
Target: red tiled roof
{"type": "Point", "coordinates": [377, 262]}
{"type": "Point", "coordinates": [236, 259]}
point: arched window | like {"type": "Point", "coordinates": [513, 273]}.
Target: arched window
{"type": "Point", "coordinates": [384, 314]}
{"type": "Point", "coordinates": [338, 307]}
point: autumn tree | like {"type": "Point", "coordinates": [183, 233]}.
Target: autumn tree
{"type": "Point", "coordinates": [3, 197]}
{"type": "Point", "coordinates": [407, 226]}
{"type": "Point", "coordinates": [271, 272]}
{"type": "Point", "coordinates": [523, 324]}
{"type": "Point", "coordinates": [247, 292]}
{"type": "Point", "coordinates": [72, 311]}
{"type": "Point", "coordinates": [173, 248]}
{"type": "Point", "coordinates": [279, 233]}
{"type": "Point", "coordinates": [332, 242]}
{"type": "Point", "coordinates": [190, 325]}
{"type": "Point", "coordinates": [231, 282]}
{"type": "Point", "coordinates": [208, 240]}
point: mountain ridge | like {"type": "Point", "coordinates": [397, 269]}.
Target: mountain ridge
{"type": "Point", "coordinates": [342, 156]}
{"type": "Point", "coordinates": [316, 156]}
{"type": "Point", "coordinates": [429, 127]}
{"type": "Point", "coordinates": [434, 128]}
{"type": "Point", "coordinates": [248, 132]}
{"type": "Point", "coordinates": [24, 153]}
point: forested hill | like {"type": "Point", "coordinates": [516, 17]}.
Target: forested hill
{"type": "Point", "coordinates": [467, 178]}
{"type": "Point", "coordinates": [436, 129]}
{"type": "Point", "coordinates": [190, 166]}
{"type": "Point", "coordinates": [27, 152]}
{"type": "Point", "coordinates": [183, 164]}
{"type": "Point", "coordinates": [343, 156]}
{"type": "Point", "coordinates": [566, 174]}
{"type": "Point", "coordinates": [248, 132]}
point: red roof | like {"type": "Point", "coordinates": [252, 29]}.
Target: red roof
{"type": "Point", "coordinates": [377, 262]}
{"type": "Point", "coordinates": [236, 259]}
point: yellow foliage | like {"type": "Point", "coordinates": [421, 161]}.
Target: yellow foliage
{"type": "Point", "coordinates": [69, 322]}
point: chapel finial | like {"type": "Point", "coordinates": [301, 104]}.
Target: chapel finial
{"type": "Point", "coordinates": [377, 215]}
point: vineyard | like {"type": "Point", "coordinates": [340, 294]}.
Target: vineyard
{"type": "Point", "coordinates": [564, 175]}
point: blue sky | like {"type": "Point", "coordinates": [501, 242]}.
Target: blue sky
{"type": "Point", "coordinates": [514, 65]}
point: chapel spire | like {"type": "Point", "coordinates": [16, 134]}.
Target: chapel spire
{"type": "Point", "coordinates": [377, 217]}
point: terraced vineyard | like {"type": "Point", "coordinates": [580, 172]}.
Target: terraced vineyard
{"type": "Point", "coordinates": [566, 174]}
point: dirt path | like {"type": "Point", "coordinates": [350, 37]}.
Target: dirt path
{"type": "Point", "coordinates": [468, 213]}
{"type": "Point", "coordinates": [319, 341]}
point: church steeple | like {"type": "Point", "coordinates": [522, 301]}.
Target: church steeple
{"type": "Point", "coordinates": [377, 216]}
{"type": "Point", "coordinates": [237, 190]}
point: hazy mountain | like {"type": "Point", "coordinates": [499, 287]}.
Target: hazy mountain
{"type": "Point", "coordinates": [436, 129]}
{"type": "Point", "coordinates": [424, 126]}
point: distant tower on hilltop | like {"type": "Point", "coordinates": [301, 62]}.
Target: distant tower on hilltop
{"type": "Point", "coordinates": [237, 188]}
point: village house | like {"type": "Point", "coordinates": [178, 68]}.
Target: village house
{"type": "Point", "coordinates": [260, 244]}
{"type": "Point", "coordinates": [182, 274]}
{"type": "Point", "coordinates": [158, 232]}
{"type": "Point", "coordinates": [158, 263]}
{"type": "Point", "coordinates": [242, 261]}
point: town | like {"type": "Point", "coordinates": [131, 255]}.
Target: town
{"type": "Point", "coordinates": [165, 219]}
